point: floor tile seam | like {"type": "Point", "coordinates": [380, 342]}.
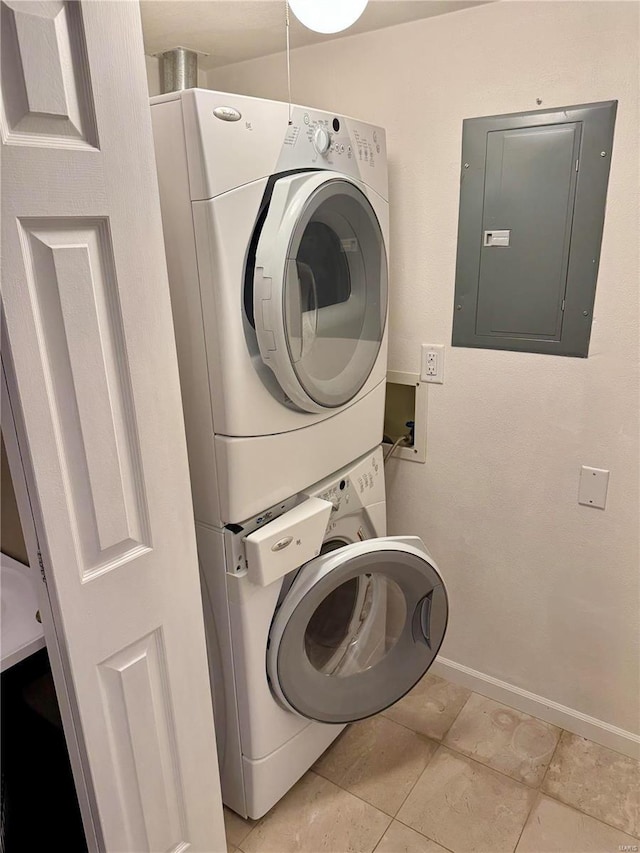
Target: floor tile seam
{"type": "Point", "coordinates": [435, 752]}
{"type": "Point", "coordinates": [436, 743]}
{"type": "Point", "coordinates": [358, 797]}
{"type": "Point", "coordinates": [351, 793]}
{"type": "Point", "coordinates": [560, 728]}
{"type": "Point", "coordinates": [553, 755]}
{"type": "Point", "coordinates": [595, 743]}
{"type": "Point", "coordinates": [239, 846]}
{"type": "Point", "coordinates": [440, 742]}
{"type": "Point", "coordinates": [429, 737]}
{"type": "Point", "coordinates": [428, 837]}
{"type": "Point", "coordinates": [381, 837]}
{"type": "Point", "coordinates": [245, 820]}
{"type": "Point", "coordinates": [464, 705]}
{"type": "Point", "coordinates": [244, 838]}
{"type": "Point", "coordinates": [461, 754]}
{"type": "Point", "coordinates": [582, 811]}
{"type": "Point", "coordinates": [415, 732]}
{"type": "Point", "coordinates": [384, 831]}
{"type": "Point", "coordinates": [431, 757]}
{"type": "Point", "coordinates": [257, 823]}
{"type": "Point", "coordinates": [481, 765]}
{"type": "Point", "coordinates": [511, 779]}
{"type": "Point", "coordinates": [586, 814]}
{"type": "Point", "coordinates": [518, 711]}
{"type": "Point", "coordinates": [539, 794]}
{"type": "Point", "coordinates": [391, 818]}
{"type": "Point", "coordinates": [535, 802]}
{"type": "Point", "coordinates": [529, 811]}
{"type": "Point", "coordinates": [493, 769]}
{"type": "Point", "coordinates": [362, 799]}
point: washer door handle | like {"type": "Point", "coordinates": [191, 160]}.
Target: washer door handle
{"type": "Point", "coordinates": [423, 612]}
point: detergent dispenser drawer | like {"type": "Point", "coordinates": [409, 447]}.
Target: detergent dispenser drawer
{"type": "Point", "coordinates": [288, 542]}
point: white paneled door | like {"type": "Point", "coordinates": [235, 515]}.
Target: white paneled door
{"type": "Point", "coordinates": [93, 390]}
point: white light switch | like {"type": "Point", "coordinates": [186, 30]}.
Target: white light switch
{"type": "Point", "coordinates": [593, 487]}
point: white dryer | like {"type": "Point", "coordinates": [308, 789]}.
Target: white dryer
{"type": "Point", "coordinates": [314, 619]}
{"type": "Point", "coordinates": [276, 232]}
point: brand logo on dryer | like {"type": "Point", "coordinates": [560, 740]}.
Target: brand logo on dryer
{"type": "Point", "coordinates": [227, 113]}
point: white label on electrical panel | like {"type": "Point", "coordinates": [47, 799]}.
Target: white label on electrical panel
{"type": "Point", "coordinates": [497, 238]}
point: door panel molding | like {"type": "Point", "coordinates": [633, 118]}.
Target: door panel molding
{"type": "Point", "coordinates": [73, 288]}
{"type": "Point", "coordinates": [143, 743]}
{"type": "Point", "coordinates": [47, 91]}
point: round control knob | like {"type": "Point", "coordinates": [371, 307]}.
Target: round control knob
{"type": "Point", "coordinates": [321, 140]}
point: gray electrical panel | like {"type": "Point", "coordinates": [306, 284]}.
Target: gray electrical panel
{"type": "Point", "coordinates": [532, 199]}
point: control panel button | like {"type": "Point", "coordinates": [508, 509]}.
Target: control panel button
{"type": "Point", "coordinates": [321, 140]}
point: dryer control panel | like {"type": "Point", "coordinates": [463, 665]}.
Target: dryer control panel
{"type": "Point", "coordinates": [321, 140]}
{"type": "Point", "coordinates": [233, 140]}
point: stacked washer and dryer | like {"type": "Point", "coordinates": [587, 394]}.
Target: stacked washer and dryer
{"type": "Point", "coordinates": [276, 230]}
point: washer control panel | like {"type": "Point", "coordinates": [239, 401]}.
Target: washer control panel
{"type": "Point", "coordinates": [356, 487]}
{"type": "Point", "coordinates": [339, 496]}
{"type": "Point", "coordinates": [349, 491]}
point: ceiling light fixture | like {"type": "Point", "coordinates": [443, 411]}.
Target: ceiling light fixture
{"type": "Point", "coordinates": [327, 16]}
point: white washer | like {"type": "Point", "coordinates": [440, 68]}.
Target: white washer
{"type": "Point", "coordinates": [276, 234]}
{"type": "Point", "coordinates": [337, 638]}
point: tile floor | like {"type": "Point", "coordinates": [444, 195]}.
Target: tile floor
{"type": "Point", "coordinates": [449, 770]}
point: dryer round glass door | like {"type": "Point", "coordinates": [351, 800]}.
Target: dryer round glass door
{"type": "Point", "coordinates": [357, 630]}
{"type": "Point", "coordinates": [320, 290]}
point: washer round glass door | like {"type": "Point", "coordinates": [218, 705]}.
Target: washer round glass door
{"type": "Point", "coordinates": [357, 630]}
{"type": "Point", "coordinates": [320, 289]}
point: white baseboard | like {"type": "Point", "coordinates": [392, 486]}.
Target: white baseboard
{"type": "Point", "coordinates": [530, 703]}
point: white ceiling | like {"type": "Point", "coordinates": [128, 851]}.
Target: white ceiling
{"type": "Point", "coordinates": [234, 30]}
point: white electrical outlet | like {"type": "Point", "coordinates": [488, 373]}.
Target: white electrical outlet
{"type": "Point", "coordinates": [432, 363]}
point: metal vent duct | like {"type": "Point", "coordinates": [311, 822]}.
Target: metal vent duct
{"type": "Point", "coordinates": [178, 69]}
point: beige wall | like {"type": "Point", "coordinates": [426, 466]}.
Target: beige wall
{"type": "Point", "coordinates": [544, 592]}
